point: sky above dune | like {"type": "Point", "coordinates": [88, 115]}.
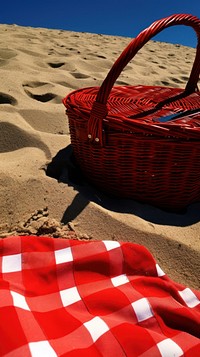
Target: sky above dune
{"type": "Point", "coordinates": [122, 18]}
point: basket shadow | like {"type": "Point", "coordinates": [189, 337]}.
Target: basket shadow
{"type": "Point", "coordinates": [64, 169]}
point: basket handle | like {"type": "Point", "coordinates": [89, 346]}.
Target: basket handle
{"type": "Point", "coordinates": [99, 108]}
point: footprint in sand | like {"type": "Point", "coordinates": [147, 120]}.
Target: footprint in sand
{"type": "Point", "coordinates": [121, 83]}
{"type": "Point", "coordinates": [7, 99]}
{"type": "Point", "coordinates": [184, 78]}
{"type": "Point", "coordinates": [79, 75]}
{"type": "Point", "coordinates": [165, 83]}
{"type": "Point", "coordinates": [98, 56]}
{"type": "Point", "coordinates": [36, 84]}
{"type": "Point", "coordinates": [5, 55]}
{"type": "Point", "coordinates": [56, 64]}
{"type": "Point", "coordinates": [76, 35]}
{"type": "Point", "coordinates": [40, 92]}
{"type": "Point", "coordinates": [51, 51]}
{"type": "Point", "coordinates": [176, 80]}
{"type": "Point", "coordinates": [71, 49]}
{"type": "Point", "coordinates": [67, 84]}
{"type": "Point", "coordinates": [13, 138]}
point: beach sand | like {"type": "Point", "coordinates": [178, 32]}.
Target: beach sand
{"type": "Point", "coordinates": [38, 68]}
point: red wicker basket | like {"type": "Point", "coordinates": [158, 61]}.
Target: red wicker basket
{"type": "Point", "coordinates": [140, 142]}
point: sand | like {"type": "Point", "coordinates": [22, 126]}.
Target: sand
{"type": "Point", "coordinates": [38, 67]}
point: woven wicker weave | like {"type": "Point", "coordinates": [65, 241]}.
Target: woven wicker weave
{"type": "Point", "coordinates": [140, 142]}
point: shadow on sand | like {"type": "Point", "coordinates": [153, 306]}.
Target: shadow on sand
{"type": "Point", "coordinates": [64, 169]}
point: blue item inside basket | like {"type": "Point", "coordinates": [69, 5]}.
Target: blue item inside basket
{"type": "Point", "coordinates": [178, 115]}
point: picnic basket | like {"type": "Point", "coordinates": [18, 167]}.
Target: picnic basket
{"type": "Point", "coordinates": [140, 142]}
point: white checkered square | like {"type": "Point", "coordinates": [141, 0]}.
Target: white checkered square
{"type": "Point", "coordinates": [109, 244]}
{"type": "Point", "coordinates": [120, 280]}
{"type": "Point", "coordinates": [63, 255]}
{"type": "Point", "coordinates": [160, 272]}
{"type": "Point", "coordinates": [69, 296]}
{"type": "Point", "coordinates": [189, 297]}
{"type": "Point", "coordinates": [142, 309]}
{"type": "Point", "coordinates": [41, 349]}
{"type": "Point", "coordinates": [169, 348]}
{"type": "Point", "coordinates": [11, 263]}
{"type": "Point", "coordinates": [96, 327]}
{"type": "Point", "coordinates": [19, 301]}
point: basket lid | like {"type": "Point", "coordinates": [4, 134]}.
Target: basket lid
{"type": "Point", "coordinates": [149, 109]}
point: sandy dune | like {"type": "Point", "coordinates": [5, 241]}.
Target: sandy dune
{"type": "Point", "coordinates": [39, 67]}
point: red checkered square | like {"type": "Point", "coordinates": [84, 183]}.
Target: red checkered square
{"type": "Point", "coordinates": [102, 302]}
{"type": "Point", "coordinates": [12, 333]}
{"type": "Point", "coordinates": [58, 323]}
{"type": "Point", "coordinates": [132, 338]}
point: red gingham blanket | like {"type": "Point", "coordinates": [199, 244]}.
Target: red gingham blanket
{"type": "Point", "coordinates": [62, 297]}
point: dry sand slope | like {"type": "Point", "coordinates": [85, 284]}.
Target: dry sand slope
{"type": "Point", "coordinates": [38, 68]}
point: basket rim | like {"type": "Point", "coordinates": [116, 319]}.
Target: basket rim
{"type": "Point", "coordinates": [81, 101]}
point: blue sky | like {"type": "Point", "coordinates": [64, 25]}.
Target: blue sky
{"type": "Point", "coordinates": [123, 18]}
